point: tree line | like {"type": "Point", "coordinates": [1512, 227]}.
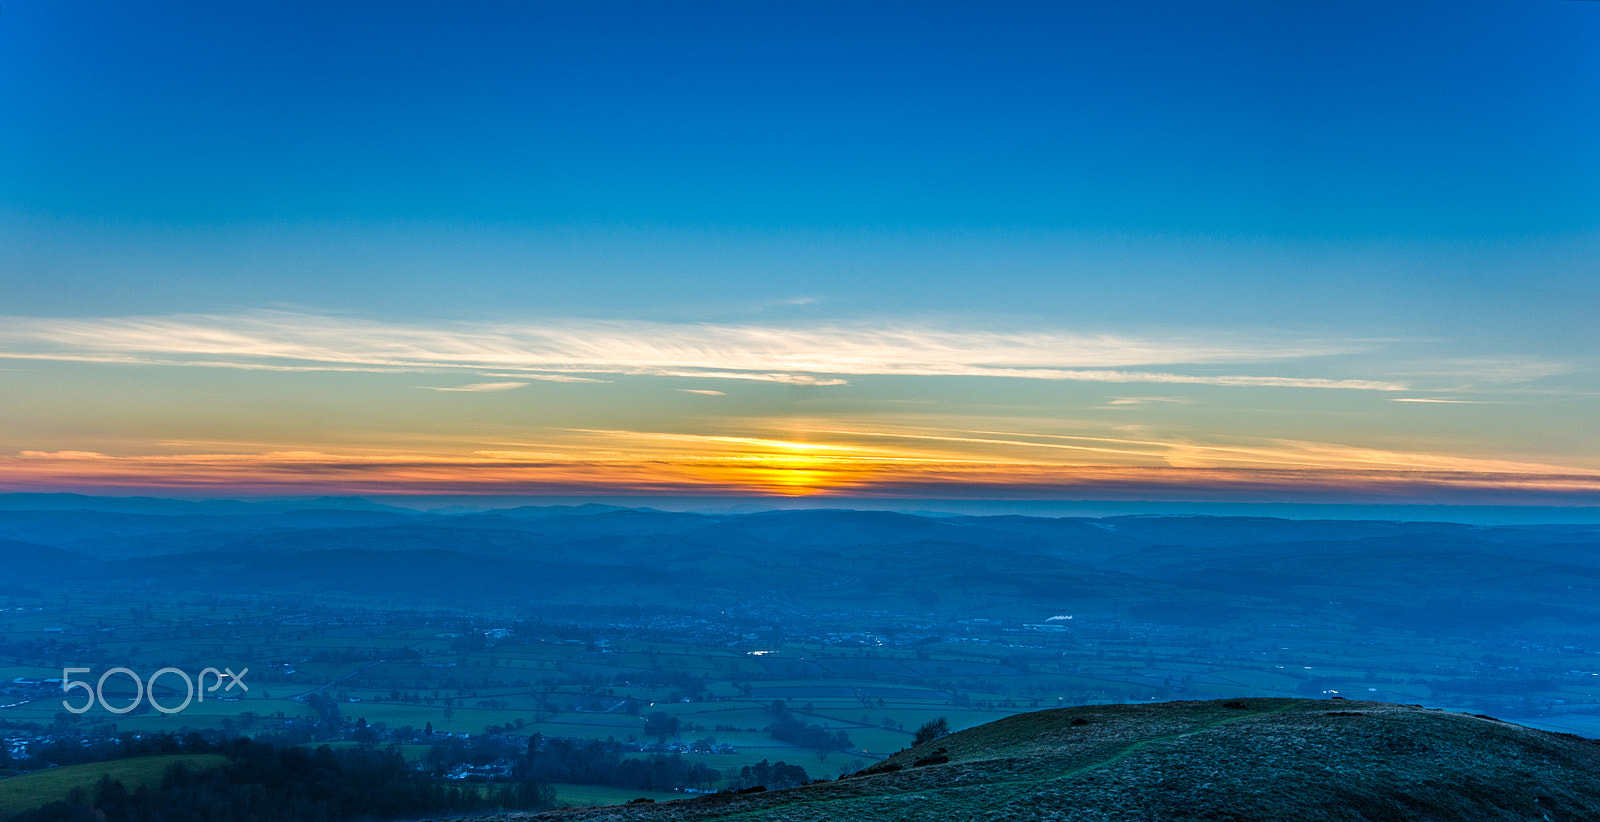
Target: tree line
{"type": "Point", "coordinates": [603, 762]}
{"type": "Point", "coordinates": [263, 782]}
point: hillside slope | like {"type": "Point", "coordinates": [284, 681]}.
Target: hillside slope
{"type": "Point", "coordinates": [1252, 759]}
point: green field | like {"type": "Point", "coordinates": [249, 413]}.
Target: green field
{"type": "Point", "coordinates": [31, 790]}
{"type": "Point", "coordinates": [583, 796]}
{"type": "Point", "coordinates": [399, 669]}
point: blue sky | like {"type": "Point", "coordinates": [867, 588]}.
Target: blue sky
{"type": "Point", "coordinates": [1403, 194]}
{"type": "Point", "coordinates": [1297, 120]}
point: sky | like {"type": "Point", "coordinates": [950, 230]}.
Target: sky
{"type": "Point", "coordinates": [1231, 252]}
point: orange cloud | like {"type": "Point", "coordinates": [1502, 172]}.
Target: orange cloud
{"type": "Point", "coordinates": [756, 466]}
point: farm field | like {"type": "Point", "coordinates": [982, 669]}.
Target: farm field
{"type": "Point", "coordinates": [391, 672]}
{"type": "Point", "coordinates": [31, 790]}
{"type": "Point", "coordinates": [799, 672]}
{"type": "Point", "coordinates": [586, 796]}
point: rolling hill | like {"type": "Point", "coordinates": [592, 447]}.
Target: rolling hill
{"type": "Point", "coordinates": [1249, 759]}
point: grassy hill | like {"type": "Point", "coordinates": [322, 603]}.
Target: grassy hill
{"type": "Point", "coordinates": [31, 790]}
{"type": "Point", "coordinates": [1250, 759]}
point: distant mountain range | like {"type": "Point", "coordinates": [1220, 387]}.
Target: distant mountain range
{"type": "Point", "coordinates": [1176, 570]}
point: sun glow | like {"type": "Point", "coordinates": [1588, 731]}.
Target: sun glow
{"type": "Point", "coordinates": [792, 476]}
{"type": "Point", "coordinates": [808, 461]}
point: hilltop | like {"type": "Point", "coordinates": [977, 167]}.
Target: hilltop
{"type": "Point", "coordinates": [1246, 759]}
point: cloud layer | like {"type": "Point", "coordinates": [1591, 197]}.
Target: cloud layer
{"type": "Point", "coordinates": [889, 437]}
{"type": "Point", "coordinates": [766, 473]}
{"type": "Point", "coordinates": [815, 355]}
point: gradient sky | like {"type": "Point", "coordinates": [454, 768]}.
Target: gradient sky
{"type": "Point", "coordinates": [1112, 250]}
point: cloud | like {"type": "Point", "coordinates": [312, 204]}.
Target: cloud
{"type": "Point", "coordinates": [548, 377]}
{"type": "Point", "coordinates": [1450, 402]}
{"type": "Point", "coordinates": [1495, 370]}
{"type": "Point", "coordinates": [818, 355]}
{"type": "Point", "coordinates": [774, 467]}
{"type": "Point", "coordinates": [1128, 402]}
{"type": "Point", "coordinates": [706, 391]}
{"type": "Point", "coordinates": [1255, 453]}
{"type": "Point", "coordinates": [790, 379]}
{"type": "Point", "coordinates": [480, 386]}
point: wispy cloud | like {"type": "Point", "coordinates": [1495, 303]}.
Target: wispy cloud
{"type": "Point", "coordinates": [1144, 400]}
{"type": "Point", "coordinates": [790, 379]}
{"type": "Point", "coordinates": [1447, 402]}
{"type": "Point", "coordinates": [480, 386]}
{"type": "Point", "coordinates": [1085, 451]}
{"type": "Point", "coordinates": [777, 467]}
{"type": "Point", "coordinates": [706, 391]}
{"type": "Point", "coordinates": [531, 375]}
{"type": "Point", "coordinates": [1500, 370]}
{"type": "Point", "coordinates": [805, 355]}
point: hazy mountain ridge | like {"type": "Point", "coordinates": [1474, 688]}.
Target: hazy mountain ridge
{"type": "Point", "coordinates": [1021, 567]}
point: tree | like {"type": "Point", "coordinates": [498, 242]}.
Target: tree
{"type": "Point", "coordinates": [931, 730]}
{"type": "Point", "coordinates": [773, 775]}
{"type": "Point", "coordinates": [661, 725]}
{"type": "Point", "coordinates": [805, 735]}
